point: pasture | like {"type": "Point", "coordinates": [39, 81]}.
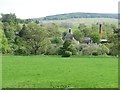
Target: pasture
{"type": "Point", "coordinates": [87, 21]}
{"type": "Point", "coordinates": [58, 72]}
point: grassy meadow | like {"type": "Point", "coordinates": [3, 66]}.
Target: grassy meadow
{"type": "Point", "coordinates": [58, 72]}
{"type": "Point", "coordinates": [87, 21]}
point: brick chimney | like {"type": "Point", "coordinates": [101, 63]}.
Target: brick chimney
{"type": "Point", "coordinates": [100, 29]}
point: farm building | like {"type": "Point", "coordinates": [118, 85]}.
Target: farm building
{"type": "Point", "coordinates": [69, 35]}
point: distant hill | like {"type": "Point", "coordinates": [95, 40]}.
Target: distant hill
{"type": "Point", "coordinates": [79, 15]}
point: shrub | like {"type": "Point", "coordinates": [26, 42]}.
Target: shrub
{"type": "Point", "coordinates": [82, 46]}
{"type": "Point", "coordinates": [105, 50]}
{"type": "Point", "coordinates": [95, 53]}
{"type": "Point", "coordinates": [78, 35]}
{"type": "Point", "coordinates": [72, 49]}
{"type": "Point", "coordinates": [61, 51]}
{"type": "Point", "coordinates": [56, 40]}
{"type": "Point", "coordinates": [21, 51]}
{"type": "Point", "coordinates": [86, 51]}
{"type": "Point", "coordinates": [67, 46]}
{"type": "Point", "coordinates": [95, 50]}
{"type": "Point", "coordinates": [11, 48]}
{"type": "Point", "coordinates": [52, 50]}
{"type": "Point", "coordinates": [95, 37]}
{"type": "Point", "coordinates": [67, 54]}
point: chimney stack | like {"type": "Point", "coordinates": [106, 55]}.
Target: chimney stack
{"type": "Point", "coordinates": [100, 29]}
{"type": "Point", "coordinates": [70, 31]}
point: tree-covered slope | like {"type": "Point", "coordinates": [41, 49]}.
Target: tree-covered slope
{"type": "Point", "coordinates": [80, 15]}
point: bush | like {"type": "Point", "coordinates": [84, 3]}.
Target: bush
{"type": "Point", "coordinates": [52, 50]}
{"type": "Point", "coordinates": [112, 50]}
{"type": "Point", "coordinates": [67, 46]}
{"type": "Point", "coordinates": [78, 35]}
{"type": "Point", "coordinates": [86, 51]}
{"type": "Point", "coordinates": [95, 37]}
{"type": "Point", "coordinates": [72, 49]}
{"type": "Point", "coordinates": [82, 46]}
{"type": "Point", "coordinates": [61, 51]}
{"type": "Point", "coordinates": [95, 53]}
{"type": "Point", "coordinates": [67, 54]}
{"type": "Point", "coordinates": [21, 51]}
{"type": "Point", "coordinates": [56, 40]}
{"type": "Point", "coordinates": [95, 50]}
{"type": "Point", "coordinates": [105, 50]}
{"type": "Point", "coordinates": [11, 48]}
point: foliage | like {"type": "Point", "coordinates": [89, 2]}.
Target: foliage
{"type": "Point", "coordinates": [36, 37]}
{"type": "Point", "coordinates": [52, 50]}
{"type": "Point", "coordinates": [95, 37]}
{"type": "Point", "coordinates": [114, 42]}
{"type": "Point", "coordinates": [67, 54]}
{"type": "Point", "coordinates": [78, 35]}
{"type": "Point", "coordinates": [11, 48]}
{"type": "Point", "coordinates": [72, 49]}
{"type": "Point", "coordinates": [63, 35]}
{"type": "Point", "coordinates": [66, 44]}
{"type": "Point", "coordinates": [104, 49]}
{"type": "Point", "coordinates": [81, 26]}
{"type": "Point", "coordinates": [86, 31]}
{"type": "Point", "coordinates": [28, 21]}
{"type": "Point", "coordinates": [94, 49]}
{"type": "Point", "coordinates": [22, 51]}
{"type": "Point", "coordinates": [81, 46]}
{"type": "Point", "coordinates": [3, 42]}
{"type": "Point", "coordinates": [52, 28]}
{"type": "Point", "coordinates": [56, 40]}
{"type": "Point", "coordinates": [10, 28]}
{"type": "Point", "coordinates": [95, 28]}
{"type": "Point", "coordinates": [9, 18]}
{"type": "Point", "coordinates": [37, 21]}
{"type": "Point", "coordinates": [29, 37]}
{"type": "Point", "coordinates": [9, 31]}
{"type": "Point", "coordinates": [67, 49]}
{"type": "Point", "coordinates": [22, 31]}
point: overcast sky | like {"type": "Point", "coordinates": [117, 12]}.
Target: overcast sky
{"type": "Point", "coordinates": [40, 8]}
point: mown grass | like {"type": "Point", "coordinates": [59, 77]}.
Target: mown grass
{"type": "Point", "coordinates": [58, 72]}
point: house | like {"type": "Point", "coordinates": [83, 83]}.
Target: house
{"type": "Point", "coordinates": [87, 40]}
{"type": "Point", "coordinates": [69, 36]}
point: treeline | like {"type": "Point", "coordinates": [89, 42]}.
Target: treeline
{"type": "Point", "coordinates": [25, 38]}
{"type": "Point", "coordinates": [79, 15]}
{"type": "Point", "coordinates": [32, 38]}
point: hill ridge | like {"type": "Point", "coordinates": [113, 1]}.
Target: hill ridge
{"type": "Point", "coordinates": [65, 16]}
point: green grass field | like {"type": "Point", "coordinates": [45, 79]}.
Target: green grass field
{"type": "Point", "coordinates": [58, 72]}
{"type": "Point", "coordinates": [87, 21]}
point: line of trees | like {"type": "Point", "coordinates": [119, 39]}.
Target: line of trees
{"type": "Point", "coordinates": [32, 38]}
{"type": "Point", "coordinates": [79, 15]}
{"type": "Point", "coordinates": [24, 38]}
